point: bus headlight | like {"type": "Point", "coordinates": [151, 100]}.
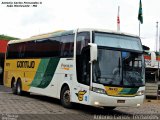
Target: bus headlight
{"type": "Point", "coordinates": [98, 90]}
{"type": "Point", "coordinates": [141, 92]}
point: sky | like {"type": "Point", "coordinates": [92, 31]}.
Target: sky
{"type": "Point", "coordinates": [51, 15]}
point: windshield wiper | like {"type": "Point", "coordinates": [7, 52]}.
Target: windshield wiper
{"type": "Point", "coordinates": [119, 65]}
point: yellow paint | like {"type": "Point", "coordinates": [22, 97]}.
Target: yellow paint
{"type": "Point", "coordinates": [25, 74]}
{"type": "Point", "coordinates": [113, 91]}
{"type": "Point", "coordinates": [66, 68]}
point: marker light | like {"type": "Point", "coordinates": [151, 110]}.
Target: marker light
{"type": "Point", "coordinates": [138, 105]}
{"type": "Point", "coordinates": [96, 103]}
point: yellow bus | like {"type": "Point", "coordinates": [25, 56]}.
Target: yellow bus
{"type": "Point", "coordinates": [88, 66]}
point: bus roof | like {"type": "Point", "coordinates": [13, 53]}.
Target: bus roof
{"type": "Point", "coordinates": [65, 32]}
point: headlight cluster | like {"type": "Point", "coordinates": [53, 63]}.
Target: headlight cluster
{"type": "Point", "coordinates": [98, 90]}
{"type": "Point", "coordinates": [141, 92]}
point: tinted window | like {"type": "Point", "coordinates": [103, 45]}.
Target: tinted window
{"type": "Point", "coordinates": [30, 47]}
{"type": "Point", "coordinates": [82, 58]}
{"type": "Point", "coordinates": [67, 45]}
{"type": "Point", "coordinates": [16, 50]}
{"type": "Point", "coordinates": [82, 41]}
{"type": "Point", "coordinates": [49, 47]}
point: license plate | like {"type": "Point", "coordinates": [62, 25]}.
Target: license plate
{"type": "Point", "coordinates": [120, 101]}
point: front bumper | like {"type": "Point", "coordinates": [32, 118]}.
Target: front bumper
{"type": "Point", "coordinates": [97, 99]}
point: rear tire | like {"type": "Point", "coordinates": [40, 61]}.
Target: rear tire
{"type": "Point", "coordinates": [65, 97]}
{"type": "Point", "coordinates": [19, 88]}
{"type": "Point", "coordinates": [13, 86]}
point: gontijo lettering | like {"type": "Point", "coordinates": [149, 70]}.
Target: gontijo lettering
{"type": "Point", "coordinates": [25, 64]}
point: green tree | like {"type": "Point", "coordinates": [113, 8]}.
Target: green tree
{"type": "Point", "coordinates": [5, 37]}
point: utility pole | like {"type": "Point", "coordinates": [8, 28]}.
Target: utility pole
{"type": "Point", "coordinates": [118, 20]}
{"type": "Point", "coordinates": [157, 48]}
{"type": "Point", "coordinates": [157, 37]}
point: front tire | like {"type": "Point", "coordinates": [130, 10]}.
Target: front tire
{"type": "Point", "coordinates": [65, 97]}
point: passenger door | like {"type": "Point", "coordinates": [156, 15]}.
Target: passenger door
{"type": "Point", "coordinates": [81, 89]}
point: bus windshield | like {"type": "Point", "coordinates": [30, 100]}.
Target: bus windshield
{"type": "Point", "coordinates": [117, 41]}
{"type": "Point", "coordinates": [118, 68]}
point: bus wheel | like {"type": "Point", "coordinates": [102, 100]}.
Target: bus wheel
{"type": "Point", "coordinates": [65, 97]}
{"type": "Point", "coordinates": [13, 86]}
{"type": "Point", "coordinates": [19, 88]}
{"type": "Point", "coordinates": [108, 108]}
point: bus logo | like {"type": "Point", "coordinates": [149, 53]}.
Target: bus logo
{"type": "Point", "coordinates": [80, 95]}
{"type": "Point", "coordinates": [66, 66]}
{"type": "Point", "coordinates": [113, 89]}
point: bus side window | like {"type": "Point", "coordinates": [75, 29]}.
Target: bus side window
{"type": "Point", "coordinates": [9, 54]}
{"type": "Point", "coordinates": [15, 51]}
{"type": "Point", "coordinates": [82, 41]}
{"type": "Point", "coordinates": [67, 46]}
{"type": "Point", "coordinates": [30, 49]}
{"type": "Point", "coordinates": [42, 48]}
{"type": "Point", "coordinates": [53, 47]}
{"type": "Point", "coordinates": [82, 58]}
{"type": "Point", "coordinates": [21, 50]}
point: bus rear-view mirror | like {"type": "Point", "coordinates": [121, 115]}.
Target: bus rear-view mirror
{"type": "Point", "coordinates": [93, 52]}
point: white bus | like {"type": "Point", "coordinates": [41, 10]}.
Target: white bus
{"type": "Point", "coordinates": [87, 66]}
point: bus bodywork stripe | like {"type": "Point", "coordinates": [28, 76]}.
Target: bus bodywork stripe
{"type": "Point", "coordinates": [120, 91]}
{"type": "Point", "coordinates": [45, 72]}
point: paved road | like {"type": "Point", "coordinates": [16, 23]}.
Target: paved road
{"type": "Point", "coordinates": [13, 107]}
